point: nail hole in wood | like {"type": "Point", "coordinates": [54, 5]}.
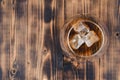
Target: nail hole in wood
{"type": "Point", "coordinates": [45, 50]}
{"type": "Point", "coordinates": [117, 34]}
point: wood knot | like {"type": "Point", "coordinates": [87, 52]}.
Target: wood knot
{"type": "Point", "coordinates": [13, 73]}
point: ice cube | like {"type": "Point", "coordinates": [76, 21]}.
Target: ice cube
{"type": "Point", "coordinates": [83, 32]}
{"type": "Point", "coordinates": [91, 38]}
{"type": "Point", "coordinates": [76, 41]}
{"type": "Point", "coordinates": [78, 27]}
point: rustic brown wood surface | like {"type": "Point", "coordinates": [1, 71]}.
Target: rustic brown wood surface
{"type": "Point", "coordinates": [29, 40]}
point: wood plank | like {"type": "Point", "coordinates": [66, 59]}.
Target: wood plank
{"type": "Point", "coordinates": [58, 22]}
{"type": "Point", "coordinates": [33, 40]}
{"type": "Point", "coordinates": [109, 65]}
{"type": "Point", "coordinates": [103, 18]}
{"type": "Point", "coordinates": [18, 40]}
{"type": "Point", "coordinates": [48, 59]}
{"type": "Point", "coordinates": [68, 70]}
{"type": "Point", "coordinates": [41, 50]}
{"type": "Point", "coordinates": [5, 22]}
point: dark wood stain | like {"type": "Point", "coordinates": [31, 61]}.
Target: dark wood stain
{"type": "Point", "coordinates": [0, 74]}
{"type": "Point", "coordinates": [68, 72]}
{"type": "Point", "coordinates": [1, 14]}
{"type": "Point", "coordinates": [20, 1]}
{"type": "Point", "coordinates": [110, 75]}
{"type": "Point", "coordinates": [80, 73]}
{"type": "Point", "coordinates": [21, 49]}
{"type": "Point", "coordinates": [47, 69]}
{"type": "Point", "coordinates": [33, 40]}
{"type": "Point", "coordinates": [109, 27]}
{"type": "Point", "coordinates": [7, 48]}
{"type": "Point", "coordinates": [90, 72]}
{"type": "Point", "coordinates": [57, 47]}
{"type": "Point", "coordinates": [47, 14]}
{"type": "Point", "coordinates": [48, 11]}
{"type": "Point", "coordinates": [1, 38]}
{"type": "Point", "coordinates": [48, 40]}
{"type": "Point", "coordinates": [33, 58]}
{"type": "Point", "coordinates": [39, 13]}
{"type": "Point", "coordinates": [19, 10]}
{"type": "Point", "coordinates": [53, 14]}
{"type": "Point", "coordinates": [48, 2]}
{"type": "Point", "coordinates": [20, 74]}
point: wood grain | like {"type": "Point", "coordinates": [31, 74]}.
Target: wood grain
{"type": "Point", "coordinates": [30, 43]}
{"type": "Point", "coordinates": [5, 8]}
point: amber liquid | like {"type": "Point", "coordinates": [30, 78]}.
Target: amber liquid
{"type": "Point", "coordinates": [84, 50]}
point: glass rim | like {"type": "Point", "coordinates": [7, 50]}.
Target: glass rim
{"type": "Point", "coordinates": [98, 24]}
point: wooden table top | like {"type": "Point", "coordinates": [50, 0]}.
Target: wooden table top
{"type": "Point", "coordinates": [29, 40]}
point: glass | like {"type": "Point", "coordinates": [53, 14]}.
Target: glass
{"type": "Point", "coordinates": [83, 37]}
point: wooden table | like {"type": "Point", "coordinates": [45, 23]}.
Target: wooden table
{"type": "Point", "coordinates": [29, 40]}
